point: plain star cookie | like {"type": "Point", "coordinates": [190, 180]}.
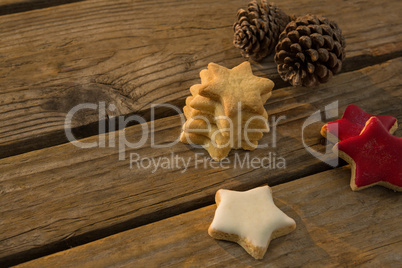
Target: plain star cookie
{"type": "Point", "coordinates": [250, 219]}
{"type": "Point", "coordinates": [375, 157]}
{"type": "Point", "coordinates": [352, 123]}
{"type": "Point", "coordinates": [230, 86]}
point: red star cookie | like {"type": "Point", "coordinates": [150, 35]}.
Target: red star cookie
{"type": "Point", "coordinates": [352, 123]}
{"type": "Point", "coordinates": [375, 157]}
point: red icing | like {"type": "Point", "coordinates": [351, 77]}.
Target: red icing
{"type": "Point", "coordinates": [353, 121]}
{"type": "Point", "coordinates": [377, 154]}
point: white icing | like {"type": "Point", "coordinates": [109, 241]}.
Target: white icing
{"type": "Point", "coordinates": [251, 214]}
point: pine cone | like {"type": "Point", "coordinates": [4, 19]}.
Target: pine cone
{"type": "Point", "coordinates": [257, 30]}
{"type": "Point", "coordinates": [310, 50]}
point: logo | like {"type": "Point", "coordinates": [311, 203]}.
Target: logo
{"type": "Point", "coordinates": [268, 159]}
{"type": "Point", "coordinates": [331, 112]}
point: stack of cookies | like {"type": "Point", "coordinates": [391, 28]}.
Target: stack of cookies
{"type": "Point", "coordinates": [227, 110]}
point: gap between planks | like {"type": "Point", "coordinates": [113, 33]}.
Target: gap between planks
{"type": "Point", "coordinates": [128, 54]}
{"type": "Point", "coordinates": [17, 6]}
{"type": "Point", "coordinates": [90, 194]}
{"type": "Point", "coordinates": [335, 227]}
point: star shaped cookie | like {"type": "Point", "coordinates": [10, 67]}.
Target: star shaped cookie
{"type": "Point", "coordinates": [198, 122]}
{"type": "Point", "coordinates": [250, 219]}
{"type": "Point", "coordinates": [375, 157]}
{"type": "Point", "coordinates": [230, 86]}
{"type": "Point", "coordinates": [216, 108]}
{"type": "Point", "coordinates": [352, 123]}
{"type": "Point", "coordinates": [200, 132]}
{"type": "Point", "coordinates": [216, 151]}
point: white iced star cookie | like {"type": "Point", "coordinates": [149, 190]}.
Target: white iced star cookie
{"type": "Point", "coordinates": [250, 219]}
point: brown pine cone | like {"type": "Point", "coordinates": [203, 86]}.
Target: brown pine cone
{"type": "Point", "coordinates": [257, 30]}
{"type": "Point", "coordinates": [310, 50]}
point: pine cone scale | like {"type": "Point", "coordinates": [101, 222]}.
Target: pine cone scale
{"type": "Point", "coordinates": [328, 42]}
{"type": "Point", "coordinates": [317, 40]}
{"type": "Point", "coordinates": [303, 30]}
{"type": "Point", "coordinates": [332, 61]}
{"type": "Point", "coordinates": [294, 36]}
{"type": "Point", "coordinates": [296, 48]}
{"type": "Point", "coordinates": [310, 68]}
{"type": "Point", "coordinates": [313, 54]}
{"type": "Point", "coordinates": [323, 55]}
{"type": "Point", "coordinates": [301, 56]}
{"type": "Point", "coordinates": [305, 42]}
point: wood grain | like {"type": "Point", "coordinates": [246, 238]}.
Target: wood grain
{"type": "Point", "coordinates": [335, 227]}
{"type": "Point", "coordinates": [133, 54]}
{"type": "Point", "coordinates": [54, 198]}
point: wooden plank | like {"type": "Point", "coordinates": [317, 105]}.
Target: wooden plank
{"type": "Point", "coordinates": [335, 227]}
{"type": "Point", "coordinates": [135, 53]}
{"type": "Point", "coordinates": [57, 197]}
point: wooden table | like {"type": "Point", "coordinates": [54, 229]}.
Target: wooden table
{"type": "Point", "coordinates": [65, 206]}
